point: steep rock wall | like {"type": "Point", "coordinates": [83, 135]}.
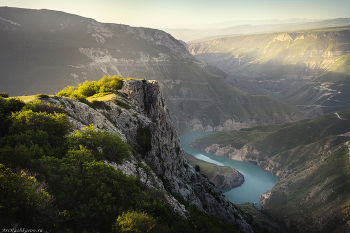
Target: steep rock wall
{"type": "Point", "coordinates": [147, 121]}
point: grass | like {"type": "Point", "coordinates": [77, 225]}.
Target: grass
{"type": "Point", "coordinates": [208, 169]}
{"type": "Point", "coordinates": [102, 97]}
{"type": "Point", "coordinates": [30, 98]}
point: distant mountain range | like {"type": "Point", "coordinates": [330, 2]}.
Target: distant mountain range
{"type": "Point", "coordinates": [42, 51]}
{"type": "Point", "coordinates": [306, 68]}
{"type": "Point", "coordinates": [252, 27]}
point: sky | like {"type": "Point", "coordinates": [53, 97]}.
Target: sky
{"type": "Point", "coordinates": [189, 13]}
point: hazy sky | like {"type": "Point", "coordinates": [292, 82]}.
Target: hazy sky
{"type": "Point", "coordinates": [189, 13]}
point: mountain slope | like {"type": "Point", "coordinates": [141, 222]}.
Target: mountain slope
{"type": "Point", "coordinates": [311, 158]}
{"type": "Point", "coordinates": [43, 51]}
{"type": "Point", "coordinates": [123, 156]}
{"type": "Point", "coordinates": [309, 69]}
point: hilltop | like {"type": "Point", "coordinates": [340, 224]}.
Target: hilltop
{"type": "Point", "coordinates": [104, 155]}
{"type": "Point", "coordinates": [48, 50]}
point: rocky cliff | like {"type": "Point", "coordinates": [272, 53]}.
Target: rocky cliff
{"type": "Point", "coordinates": [59, 49]}
{"type": "Point", "coordinates": [304, 68]}
{"type": "Point", "coordinates": [311, 158]}
{"type": "Point", "coordinates": [146, 125]}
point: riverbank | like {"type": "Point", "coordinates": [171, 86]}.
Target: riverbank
{"type": "Point", "coordinates": [256, 180]}
{"type": "Point", "coordinates": [223, 177]}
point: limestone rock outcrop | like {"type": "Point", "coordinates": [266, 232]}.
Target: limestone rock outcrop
{"type": "Point", "coordinates": [148, 128]}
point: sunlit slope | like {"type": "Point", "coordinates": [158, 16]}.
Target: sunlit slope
{"type": "Point", "coordinates": [311, 157]}
{"type": "Point", "coordinates": [43, 51]}
{"type": "Point", "coordinates": [305, 68]}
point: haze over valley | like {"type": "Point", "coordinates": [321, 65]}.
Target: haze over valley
{"type": "Point", "coordinates": [93, 101]}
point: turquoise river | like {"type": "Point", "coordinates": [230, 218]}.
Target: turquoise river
{"type": "Point", "coordinates": [256, 180]}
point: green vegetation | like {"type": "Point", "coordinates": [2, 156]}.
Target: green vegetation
{"type": "Point", "coordinates": [90, 88]}
{"type": "Point", "coordinates": [95, 93]}
{"type": "Point", "coordinates": [44, 96]}
{"type": "Point", "coordinates": [137, 222]}
{"type": "Point", "coordinates": [273, 139]}
{"type": "Point", "coordinates": [210, 170]}
{"type": "Point", "coordinates": [61, 55]}
{"type": "Point", "coordinates": [55, 179]}
{"type": "Point", "coordinates": [4, 94]}
{"type": "Point", "coordinates": [312, 159]}
{"type": "Point", "coordinates": [197, 168]}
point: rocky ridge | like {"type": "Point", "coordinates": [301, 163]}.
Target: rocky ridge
{"type": "Point", "coordinates": [164, 166]}
{"type": "Point", "coordinates": [311, 158]}
{"type": "Point", "coordinates": [291, 66]}
{"type": "Point", "coordinates": [78, 49]}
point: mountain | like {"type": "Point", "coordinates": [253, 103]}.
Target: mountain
{"type": "Point", "coordinates": [311, 158]}
{"type": "Point", "coordinates": [123, 156]}
{"type": "Point", "coordinates": [309, 69]}
{"type": "Point", "coordinates": [228, 24]}
{"type": "Point", "coordinates": [234, 28]}
{"type": "Point", "coordinates": [43, 51]}
{"type": "Point", "coordinates": [338, 22]}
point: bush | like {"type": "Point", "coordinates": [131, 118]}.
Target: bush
{"type": "Point", "coordinates": [38, 106]}
{"type": "Point", "coordinates": [10, 105]}
{"type": "Point", "coordinates": [136, 222]}
{"type": "Point", "coordinates": [67, 91]}
{"type": "Point", "coordinates": [90, 88]}
{"type": "Point", "coordinates": [197, 168]}
{"type": "Point", "coordinates": [113, 83]}
{"type": "Point", "coordinates": [22, 198]}
{"type": "Point", "coordinates": [4, 94]}
{"type": "Point", "coordinates": [103, 145]}
{"type": "Point", "coordinates": [44, 96]}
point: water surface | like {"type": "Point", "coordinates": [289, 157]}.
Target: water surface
{"type": "Point", "coordinates": [256, 180]}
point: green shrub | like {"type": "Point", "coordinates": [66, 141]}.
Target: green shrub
{"type": "Point", "coordinates": [38, 106]}
{"type": "Point", "coordinates": [44, 96]}
{"type": "Point", "coordinates": [4, 94]}
{"type": "Point", "coordinates": [135, 222]}
{"type": "Point", "coordinates": [90, 88]}
{"type": "Point", "coordinates": [197, 168]}
{"type": "Point", "coordinates": [103, 145]}
{"type": "Point", "coordinates": [113, 83]}
{"type": "Point", "coordinates": [22, 198]}
{"type": "Point", "coordinates": [67, 91]}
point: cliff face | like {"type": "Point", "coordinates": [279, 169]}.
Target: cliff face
{"type": "Point", "coordinates": [305, 68]}
{"type": "Point", "coordinates": [147, 127]}
{"type": "Point", "coordinates": [78, 49]}
{"type": "Point", "coordinates": [311, 158]}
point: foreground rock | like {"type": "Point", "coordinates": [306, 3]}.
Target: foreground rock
{"type": "Point", "coordinates": [146, 125]}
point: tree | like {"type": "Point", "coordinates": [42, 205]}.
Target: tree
{"type": "Point", "coordinates": [22, 198]}
{"type": "Point", "coordinates": [135, 222]}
